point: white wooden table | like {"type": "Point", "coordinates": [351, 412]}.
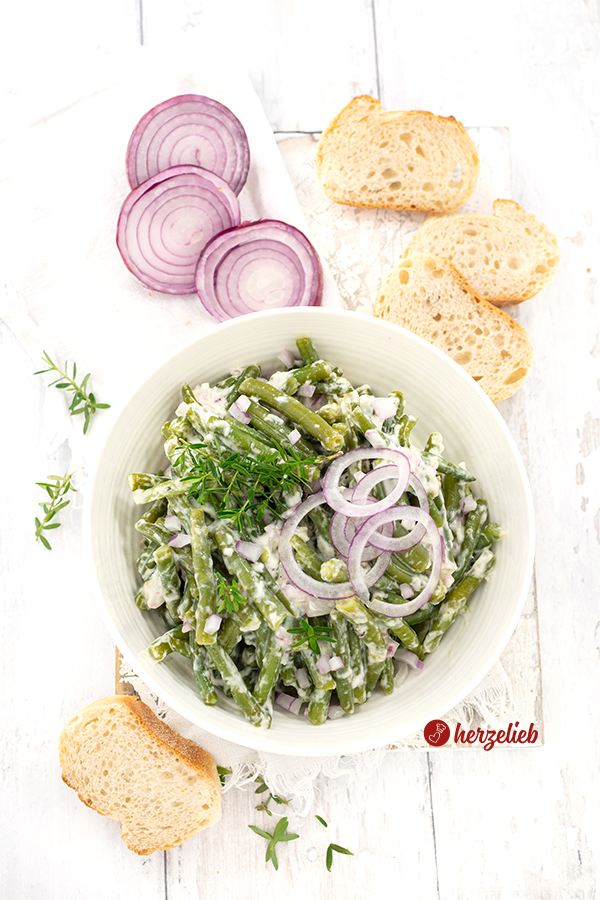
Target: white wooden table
{"type": "Point", "coordinates": [503, 824]}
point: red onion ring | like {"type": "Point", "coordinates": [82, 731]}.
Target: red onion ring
{"type": "Point", "coordinates": [257, 266]}
{"type": "Point", "coordinates": [333, 491]}
{"type": "Point", "coordinates": [357, 547]}
{"type": "Point", "coordinates": [322, 589]}
{"type": "Point", "coordinates": [397, 544]}
{"type": "Point", "coordinates": [165, 223]}
{"type": "Point", "coordinates": [342, 530]}
{"type": "Point", "coordinates": [189, 130]}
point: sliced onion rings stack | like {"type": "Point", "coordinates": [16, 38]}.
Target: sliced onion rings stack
{"type": "Point", "coordinates": [189, 130]}
{"type": "Point", "coordinates": [166, 222]}
{"type": "Point", "coordinates": [370, 530]}
{"type": "Point", "coordinates": [260, 265]}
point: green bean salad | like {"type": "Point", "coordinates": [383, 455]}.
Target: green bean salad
{"type": "Point", "coordinates": [299, 548]}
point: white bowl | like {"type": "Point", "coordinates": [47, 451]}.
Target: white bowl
{"type": "Point", "coordinates": [444, 398]}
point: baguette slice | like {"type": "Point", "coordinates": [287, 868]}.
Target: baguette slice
{"type": "Point", "coordinates": [507, 257]}
{"type": "Point", "coordinates": [428, 296]}
{"type": "Point", "coordinates": [396, 160]}
{"type": "Point", "coordinates": [125, 763]}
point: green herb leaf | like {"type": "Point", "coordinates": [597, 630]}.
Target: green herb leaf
{"type": "Point", "coordinates": [322, 821]}
{"type": "Point", "coordinates": [278, 836]}
{"type": "Point", "coordinates": [329, 855]}
{"type": "Point", "coordinates": [56, 492]}
{"type": "Point", "coordinates": [67, 382]}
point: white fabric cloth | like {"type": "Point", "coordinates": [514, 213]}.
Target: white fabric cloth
{"type": "Point", "coordinates": [65, 290]}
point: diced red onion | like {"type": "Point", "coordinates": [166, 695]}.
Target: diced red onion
{"type": "Point", "coordinates": [385, 407]}
{"type": "Point", "coordinates": [336, 663]}
{"type": "Point", "coordinates": [357, 548]}
{"type": "Point", "coordinates": [468, 504]}
{"type": "Point", "coordinates": [166, 222]}
{"type": "Point", "coordinates": [179, 540]}
{"type": "Point", "coordinates": [292, 704]}
{"type": "Point", "coordinates": [335, 711]}
{"type": "Point", "coordinates": [375, 438]}
{"type": "Point", "coordinates": [407, 591]}
{"type": "Point", "coordinates": [392, 646]}
{"type": "Point", "coordinates": [303, 678]}
{"type": "Point", "coordinates": [189, 130]}
{"type": "Point", "coordinates": [306, 390]}
{"type": "Point", "coordinates": [258, 266]}
{"type": "Point", "coordinates": [240, 414]}
{"type": "Point", "coordinates": [172, 523]}
{"type": "Point", "coordinates": [287, 357]}
{"type": "Point", "coordinates": [294, 436]}
{"type": "Point", "coordinates": [249, 550]}
{"type": "Point", "coordinates": [410, 658]}
{"type": "Point", "coordinates": [323, 664]}
{"type": "Point", "coordinates": [186, 626]}
{"type": "Point", "coordinates": [243, 402]}
{"type": "Point", "coordinates": [212, 624]}
{"type": "Point", "coordinates": [332, 489]}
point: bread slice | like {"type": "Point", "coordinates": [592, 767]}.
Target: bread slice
{"type": "Point", "coordinates": [125, 763]}
{"type": "Point", "coordinates": [396, 160]}
{"type": "Point", "coordinates": [507, 257]}
{"type": "Point", "coordinates": [427, 295]}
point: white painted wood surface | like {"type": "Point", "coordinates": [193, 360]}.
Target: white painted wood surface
{"type": "Point", "coordinates": [504, 824]}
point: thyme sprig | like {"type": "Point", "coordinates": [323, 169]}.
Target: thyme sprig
{"type": "Point", "coordinates": [57, 487]}
{"type": "Point", "coordinates": [310, 635]}
{"type": "Point", "coordinates": [264, 806]}
{"type": "Point", "coordinates": [279, 835]}
{"type": "Point", "coordinates": [84, 402]}
{"type": "Point", "coordinates": [229, 596]}
{"type": "Point", "coordinates": [243, 487]}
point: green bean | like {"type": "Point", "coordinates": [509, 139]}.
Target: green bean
{"type": "Point", "coordinates": [342, 677]}
{"type": "Point", "coordinates": [452, 497]}
{"type": "Point", "coordinates": [140, 599]}
{"type": "Point", "coordinates": [145, 563]}
{"type": "Point", "coordinates": [293, 410]}
{"type": "Point", "coordinates": [318, 706]}
{"type": "Point", "coordinates": [208, 695]}
{"type": "Point", "coordinates": [168, 575]}
{"type": "Point", "coordinates": [269, 670]}
{"type": "Point", "coordinates": [270, 607]}
{"type": "Point", "coordinates": [456, 600]}
{"type": "Point", "coordinates": [490, 534]}
{"type": "Point", "coordinates": [307, 351]}
{"type": "Point", "coordinates": [229, 635]}
{"type": "Point", "coordinates": [173, 641]}
{"type": "Point", "coordinates": [386, 681]}
{"type": "Point", "coordinates": [320, 681]}
{"type": "Point", "coordinates": [447, 468]}
{"type": "Point", "coordinates": [405, 426]}
{"type": "Point", "coordinates": [473, 528]}
{"type": "Point", "coordinates": [389, 424]}
{"type": "Point", "coordinates": [368, 629]}
{"type": "Point", "coordinates": [203, 575]}
{"type": "Point", "coordinates": [163, 488]}
{"type": "Point", "coordinates": [154, 530]}
{"type": "Point", "coordinates": [357, 664]}
{"type": "Point", "coordinates": [404, 631]}
{"type": "Point", "coordinates": [276, 430]}
{"type": "Point", "coordinates": [319, 370]}
{"type": "Point", "coordinates": [234, 392]}
{"type": "Point", "coordinates": [229, 672]}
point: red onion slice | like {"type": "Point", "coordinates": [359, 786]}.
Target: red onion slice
{"type": "Point", "coordinates": [166, 222]}
{"type": "Point", "coordinates": [258, 266]}
{"type": "Point", "coordinates": [333, 491]}
{"type": "Point", "coordinates": [383, 541]}
{"type": "Point", "coordinates": [249, 550]}
{"type": "Point", "coordinates": [189, 130]}
{"type": "Point", "coordinates": [411, 659]}
{"type": "Point", "coordinates": [322, 589]}
{"type": "Point", "coordinates": [355, 572]}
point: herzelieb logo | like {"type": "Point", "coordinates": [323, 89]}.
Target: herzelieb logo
{"type": "Point", "coordinates": [437, 733]}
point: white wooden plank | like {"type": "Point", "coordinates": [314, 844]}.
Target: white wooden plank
{"type": "Point", "coordinates": [306, 58]}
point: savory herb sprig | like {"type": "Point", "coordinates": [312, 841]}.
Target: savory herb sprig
{"type": "Point", "coordinates": [329, 854]}
{"type": "Point", "coordinates": [279, 835]}
{"type": "Point", "coordinates": [57, 487]}
{"type": "Point", "coordinates": [229, 596]}
{"type": "Point", "coordinates": [264, 806]}
{"type": "Point", "coordinates": [310, 634]}
{"type": "Point", "coordinates": [84, 402]}
{"type": "Point", "coordinates": [240, 486]}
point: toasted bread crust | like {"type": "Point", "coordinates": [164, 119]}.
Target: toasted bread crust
{"type": "Point", "coordinates": [427, 295]}
{"type": "Point", "coordinates": [370, 158]}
